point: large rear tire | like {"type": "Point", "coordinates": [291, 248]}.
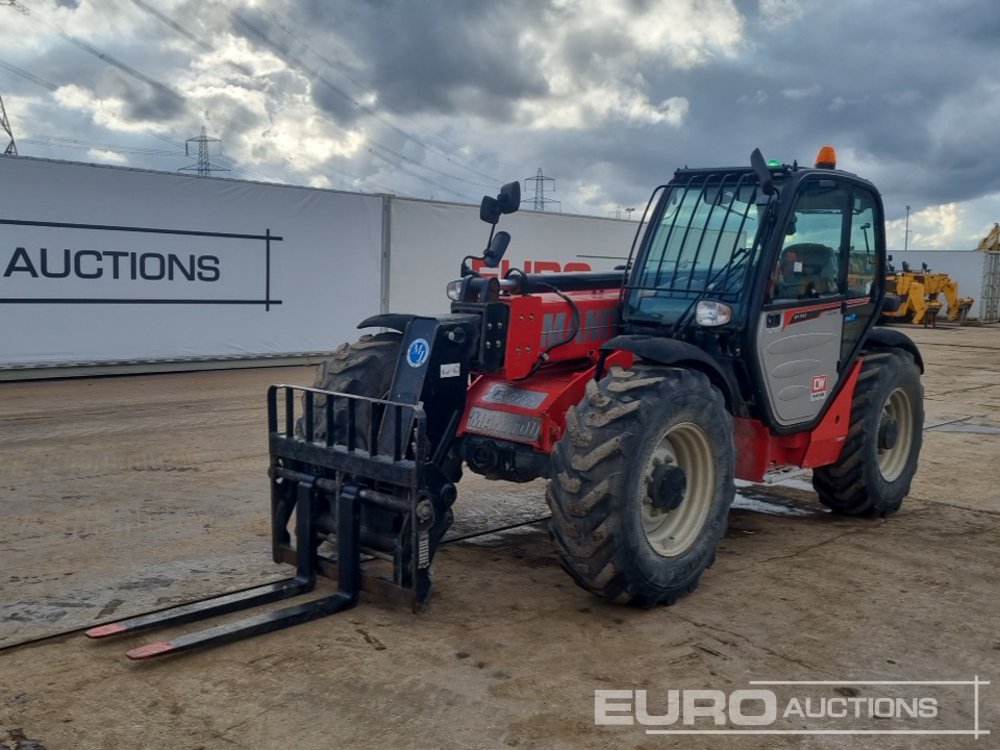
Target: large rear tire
{"type": "Point", "coordinates": [879, 457]}
{"type": "Point", "coordinates": [641, 484]}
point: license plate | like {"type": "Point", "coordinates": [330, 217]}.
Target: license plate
{"type": "Point", "coordinates": [503, 424]}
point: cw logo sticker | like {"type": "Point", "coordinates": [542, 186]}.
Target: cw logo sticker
{"type": "Point", "coordinates": [819, 384]}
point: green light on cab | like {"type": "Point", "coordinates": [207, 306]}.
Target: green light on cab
{"type": "Point", "coordinates": [773, 163]}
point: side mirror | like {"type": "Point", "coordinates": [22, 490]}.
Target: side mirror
{"type": "Point", "coordinates": [494, 253]}
{"type": "Point", "coordinates": [507, 202]}
{"type": "Point", "coordinates": [510, 197]}
{"type": "Point", "coordinates": [489, 210]}
{"type": "Point", "coordinates": [762, 172]}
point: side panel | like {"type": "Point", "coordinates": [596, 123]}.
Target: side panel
{"type": "Point", "coordinates": [541, 323]}
{"type": "Point", "coordinates": [758, 450]}
{"type": "Point", "coordinates": [798, 349]}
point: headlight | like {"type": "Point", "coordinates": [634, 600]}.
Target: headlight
{"type": "Point", "coordinates": [712, 313]}
{"type": "Point", "coordinates": [454, 290]}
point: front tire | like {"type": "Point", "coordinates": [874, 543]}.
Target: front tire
{"type": "Point", "coordinates": [641, 484]}
{"type": "Point", "coordinates": [879, 458]}
{"type": "Point", "coordinates": [363, 368]}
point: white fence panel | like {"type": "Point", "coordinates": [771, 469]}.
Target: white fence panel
{"type": "Point", "coordinates": [110, 265]}
{"type": "Point", "coordinates": [990, 309]}
{"type": "Point", "coordinates": [429, 239]}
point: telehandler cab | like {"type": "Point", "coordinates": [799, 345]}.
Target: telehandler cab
{"type": "Point", "coordinates": [738, 342]}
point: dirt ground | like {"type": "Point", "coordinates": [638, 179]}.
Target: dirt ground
{"type": "Point", "coordinates": [120, 495]}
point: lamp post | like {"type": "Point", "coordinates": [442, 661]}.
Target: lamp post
{"type": "Point", "coordinates": [628, 214]}
{"type": "Point", "coordinates": [906, 234]}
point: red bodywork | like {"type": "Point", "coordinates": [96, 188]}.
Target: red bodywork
{"type": "Point", "coordinates": [520, 406]}
{"type": "Point", "coordinates": [758, 450]}
{"type": "Point", "coordinates": [539, 400]}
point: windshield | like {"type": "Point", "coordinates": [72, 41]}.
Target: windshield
{"type": "Point", "coordinates": [700, 241]}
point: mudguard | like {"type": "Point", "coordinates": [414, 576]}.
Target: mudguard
{"type": "Point", "coordinates": [669, 352]}
{"type": "Point", "coordinates": [392, 321]}
{"type": "Point", "coordinates": [890, 338]}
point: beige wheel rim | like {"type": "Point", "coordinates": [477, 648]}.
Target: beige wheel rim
{"type": "Point", "coordinates": [892, 461]}
{"type": "Point", "coordinates": [672, 532]}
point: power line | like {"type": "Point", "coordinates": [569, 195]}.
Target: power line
{"type": "Point", "coordinates": [187, 34]}
{"type": "Point", "coordinates": [432, 169]}
{"type": "Point", "coordinates": [341, 69]}
{"type": "Point", "coordinates": [74, 143]}
{"type": "Point", "coordinates": [420, 177]}
{"type": "Point", "coordinates": [132, 72]}
{"type": "Point", "coordinates": [53, 87]}
{"type": "Point", "coordinates": [29, 76]}
{"type": "Point", "coordinates": [104, 57]}
{"type": "Point", "coordinates": [285, 54]}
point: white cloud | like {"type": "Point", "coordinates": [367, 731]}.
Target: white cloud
{"type": "Point", "coordinates": [781, 12]}
{"type": "Point", "coordinates": [757, 98]}
{"type": "Point", "coordinates": [610, 86]}
{"type": "Point", "coordinates": [603, 105]}
{"type": "Point", "coordinates": [105, 157]}
{"type": "Point", "coordinates": [684, 33]}
{"type": "Point", "coordinates": [931, 228]}
{"type": "Point", "coordinates": [949, 226]}
{"type": "Point", "coordinates": [805, 92]}
{"type": "Point", "coordinates": [604, 94]}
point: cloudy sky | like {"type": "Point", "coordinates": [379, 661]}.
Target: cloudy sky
{"type": "Point", "coordinates": [449, 98]}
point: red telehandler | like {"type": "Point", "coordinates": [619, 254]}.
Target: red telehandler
{"type": "Point", "coordinates": [738, 342]}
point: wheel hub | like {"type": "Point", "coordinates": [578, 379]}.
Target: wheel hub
{"type": "Point", "coordinates": [667, 487]}
{"type": "Point", "coordinates": [888, 434]}
{"type": "Point", "coordinates": [677, 489]}
{"type": "Point", "coordinates": [894, 439]}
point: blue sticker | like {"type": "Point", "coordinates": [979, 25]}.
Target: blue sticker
{"type": "Point", "coordinates": [850, 317]}
{"type": "Point", "coordinates": [416, 353]}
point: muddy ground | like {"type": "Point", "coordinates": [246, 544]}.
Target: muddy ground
{"type": "Point", "coordinates": [120, 495]}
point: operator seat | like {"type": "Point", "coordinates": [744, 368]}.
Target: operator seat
{"type": "Point", "coordinates": [806, 270]}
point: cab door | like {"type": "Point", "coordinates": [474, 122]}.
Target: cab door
{"type": "Point", "coordinates": [800, 333]}
{"type": "Point", "coordinates": [864, 255]}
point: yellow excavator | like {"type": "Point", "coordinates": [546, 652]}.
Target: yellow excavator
{"type": "Point", "coordinates": [918, 296]}
{"type": "Point", "coordinates": [991, 242]}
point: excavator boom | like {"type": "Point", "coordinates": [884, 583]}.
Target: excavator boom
{"type": "Point", "coordinates": [991, 242]}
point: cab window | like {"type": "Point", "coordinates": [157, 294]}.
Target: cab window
{"type": "Point", "coordinates": [861, 260]}
{"type": "Point", "coordinates": [808, 266]}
